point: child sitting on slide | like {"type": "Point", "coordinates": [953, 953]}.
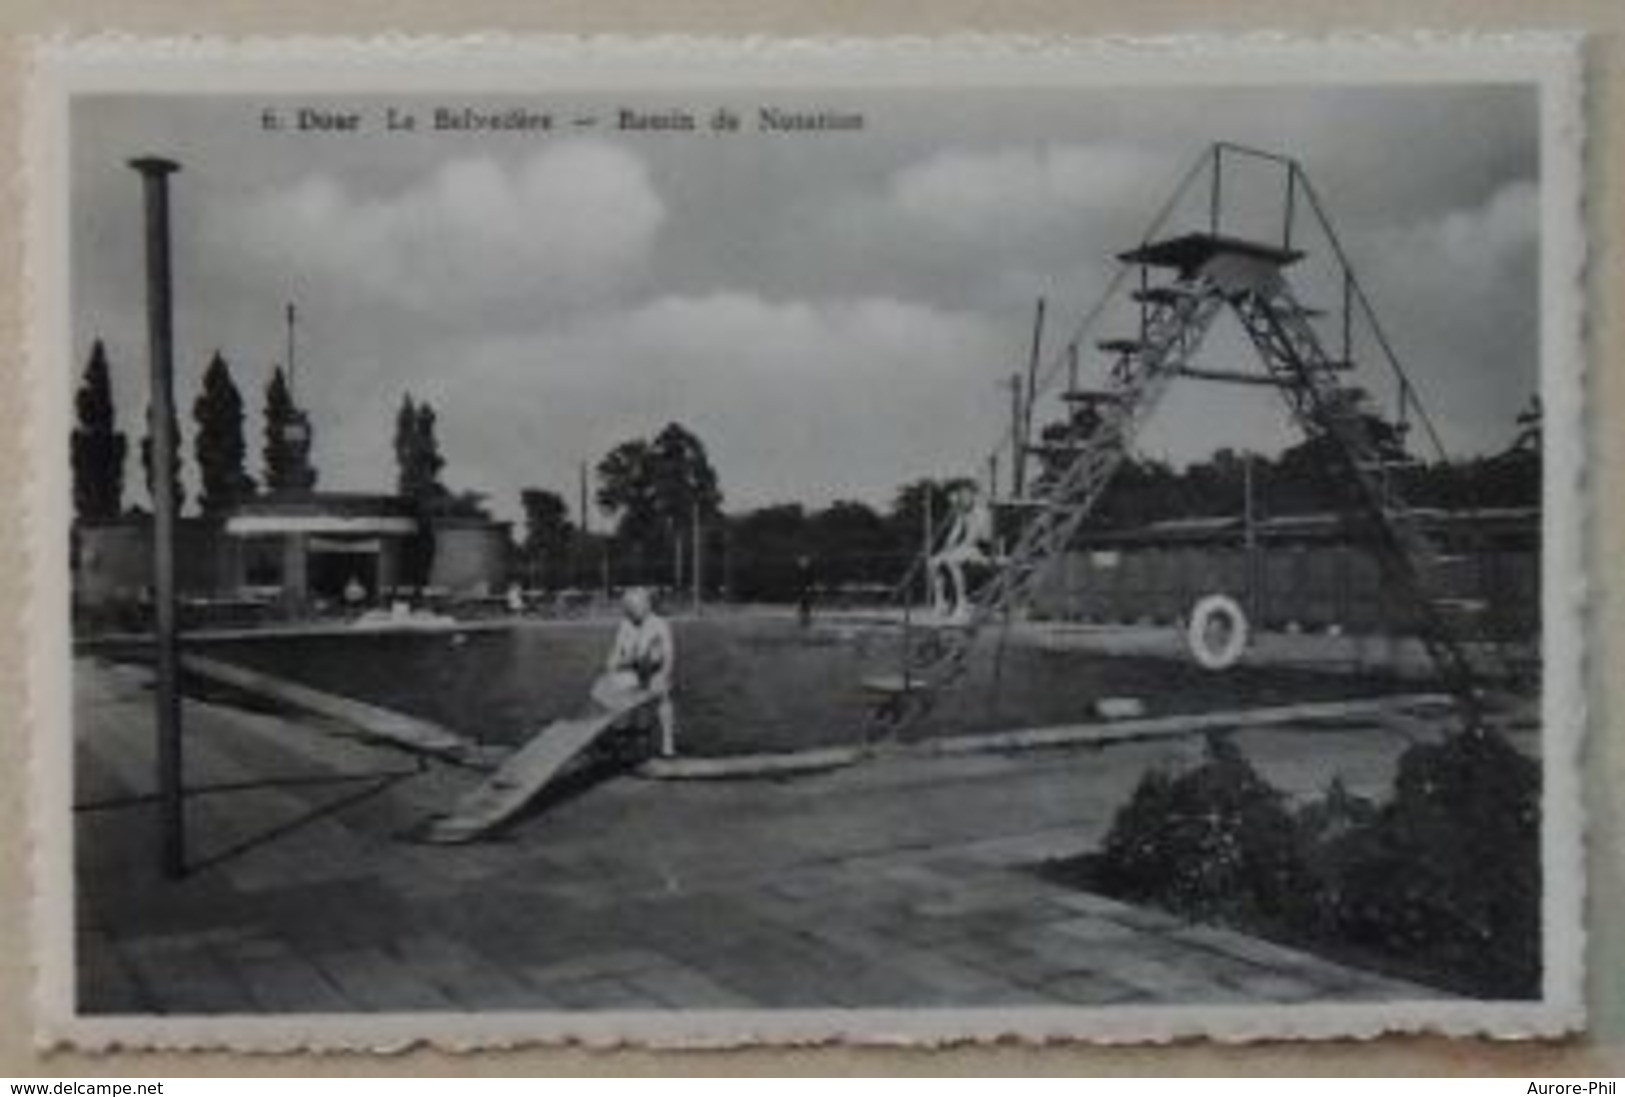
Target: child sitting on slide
{"type": "Point", "coordinates": [639, 667]}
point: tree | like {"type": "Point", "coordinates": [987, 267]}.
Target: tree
{"type": "Point", "coordinates": [174, 462]}
{"type": "Point", "coordinates": [855, 545]}
{"type": "Point", "coordinates": [429, 462]}
{"type": "Point", "coordinates": [626, 489]}
{"type": "Point", "coordinates": [1512, 478]}
{"type": "Point", "coordinates": [910, 506]}
{"type": "Point", "coordinates": [218, 443]}
{"type": "Point", "coordinates": [406, 435]}
{"type": "Point", "coordinates": [1530, 422]}
{"type": "Point", "coordinates": [656, 487]}
{"type": "Point", "coordinates": [764, 545]}
{"type": "Point", "coordinates": [549, 534]}
{"type": "Point", "coordinates": [417, 479]}
{"type": "Point", "coordinates": [417, 453]}
{"type": "Point", "coordinates": [685, 482]}
{"type": "Point", "coordinates": [1315, 474]}
{"type": "Point", "coordinates": [287, 439]}
{"type": "Point", "coordinates": [99, 447]}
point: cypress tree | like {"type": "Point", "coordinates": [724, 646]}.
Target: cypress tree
{"type": "Point", "coordinates": [430, 463]}
{"type": "Point", "coordinates": [417, 453]}
{"type": "Point", "coordinates": [406, 427]}
{"type": "Point", "coordinates": [287, 439]}
{"type": "Point", "coordinates": [98, 446]}
{"type": "Point", "coordinates": [218, 443]}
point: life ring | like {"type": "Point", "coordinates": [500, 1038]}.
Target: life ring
{"type": "Point", "coordinates": [1224, 655]}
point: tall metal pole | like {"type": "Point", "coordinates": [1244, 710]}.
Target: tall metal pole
{"type": "Point", "coordinates": [727, 563]}
{"type": "Point", "coordinates": [698, 588]}
{"type": "Point", "coordinates": [293, 373]}
{"type": "Point", "coordinates": [1018, 444]}
{"type": "Point", "coordinates": [1291, 206]}
{"type": "Point", "coordinates": [928, 514]}
{"type": "Point", "coordinates": [586, 520]}
{"type": "Point", "coordinates": [155, 174]}
{"type": "Point", "coordinates": [676, 558]}
{"type": "Point", "coordinates": [1033, 354]}
{"type": "Point", "coordinates": [1215, 196]}
{"type": "Point", "coordinates": [1249, 527]}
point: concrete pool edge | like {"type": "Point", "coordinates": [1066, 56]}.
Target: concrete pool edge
{"type": "Point", "coordinates": [413, 733]}
{"type": "Point", "coordinates": [790, 763]}
{"type": "Point", "coordinates": [793, 763]}
{"type": "Point", "coordinates": [371, 721]}
{"type": "Point", "coordinates": [1151, 727]}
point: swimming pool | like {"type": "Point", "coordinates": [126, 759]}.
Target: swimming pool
{"type": "Point", "coordinates": [747, 684]}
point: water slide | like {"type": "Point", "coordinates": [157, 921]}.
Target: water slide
{"type": "Point", "coordinates": [528, 771]}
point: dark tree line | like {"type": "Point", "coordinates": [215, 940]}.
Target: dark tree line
{"type": "Point", "coordinates": [219, 444]}
{"type": "Point", "coordinates": [661, 491]}
{"type": "Point", "coordinates": [654, 489]}
{"type": "Point", "coordinates": [220, 448]}
{"type": "Point", "coordinates": [1303, 479]}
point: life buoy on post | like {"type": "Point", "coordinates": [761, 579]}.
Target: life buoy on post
{"type": "Point", "coordinates": [1207, 612]}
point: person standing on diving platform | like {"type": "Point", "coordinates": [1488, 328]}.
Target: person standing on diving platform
{"type": "Point", "coordinates": [969, 540]}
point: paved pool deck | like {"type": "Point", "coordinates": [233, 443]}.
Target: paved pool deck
{"type": "Point", "coordinates": [905, 881]}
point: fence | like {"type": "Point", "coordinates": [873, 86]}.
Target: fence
{"type": "Point", "coordinates": [1303, 572]}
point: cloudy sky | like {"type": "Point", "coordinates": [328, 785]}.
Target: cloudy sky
{"type": "Point", "coordinates": [831, 313]}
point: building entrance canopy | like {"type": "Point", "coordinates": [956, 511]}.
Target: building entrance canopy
{"type": "Point", "coordinates": [323, 514]}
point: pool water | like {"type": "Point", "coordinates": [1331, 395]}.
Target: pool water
{"type": "Point", "coordinates": [748, 684]}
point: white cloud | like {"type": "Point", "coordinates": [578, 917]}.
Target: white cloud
{"type": "Point", "coordinates": [808, 400]}
{"type": "Point", "coordinates": [1023, 192]}
{"type": "Point", "coordinates": [475, 234]}
{"type": "Point", "coordinates": [831, 324]}
{"type": "Point", "coordinates": [1479, 239]}
{"type": "Point", "coordinates": [1457, 296]}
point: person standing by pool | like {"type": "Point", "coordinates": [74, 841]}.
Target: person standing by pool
{"type": "Point", "coordinates": [640, 664]}
{"type": "Point", "coordinates": [804, 590]}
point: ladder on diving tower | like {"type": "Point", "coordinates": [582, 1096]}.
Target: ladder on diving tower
{"type": "Point", "coordinates": [1185, 281]}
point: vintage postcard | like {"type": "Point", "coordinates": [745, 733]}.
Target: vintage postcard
{"type": "Point", "coordinates": [689, 542]}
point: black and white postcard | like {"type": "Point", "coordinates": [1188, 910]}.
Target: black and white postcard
{"type": "Point", "coordinates": [688, 542]}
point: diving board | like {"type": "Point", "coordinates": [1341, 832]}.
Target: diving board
{"type": "Point", "coordinates": [526, 773]}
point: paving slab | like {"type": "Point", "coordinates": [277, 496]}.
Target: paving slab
{"type": "Point", "coordinates": [907, 881]}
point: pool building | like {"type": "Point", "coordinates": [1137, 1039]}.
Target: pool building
{"type": "Point", "coordinates": [299, 552]}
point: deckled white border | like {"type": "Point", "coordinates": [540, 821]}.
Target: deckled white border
{"type": "Point", "coordinates": [60, 67]}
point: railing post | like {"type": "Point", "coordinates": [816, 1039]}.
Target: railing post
{"type": "Point", "coordinates": [1348, 317]}
{"type": "Point", "coordinates": [1031, 396]}
{"type": "Point", "coordinates": [1291, 201]}
{"type": "Point", "coordinates": [1018, 446]}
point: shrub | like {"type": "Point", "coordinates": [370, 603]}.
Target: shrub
{"type": "Point", "coordinates": [1449, 869]}
{"type": "Point", "coordinates": [1329, 828]}
{"type": "Point", "coordinates": [1213, 842]}
{"type": "Point", "coordinates": [1444, 878]}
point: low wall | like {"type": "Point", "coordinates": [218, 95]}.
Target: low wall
{"type": "Point", "coordinates": [470, 557]}
{"type": "Point", "coordinates": [1311, 585]}
{"type": "Point", "coordinates": [113, 560]}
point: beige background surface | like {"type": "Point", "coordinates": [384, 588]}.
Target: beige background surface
{"type": "Point", "coordinates": [1602, 1052]}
